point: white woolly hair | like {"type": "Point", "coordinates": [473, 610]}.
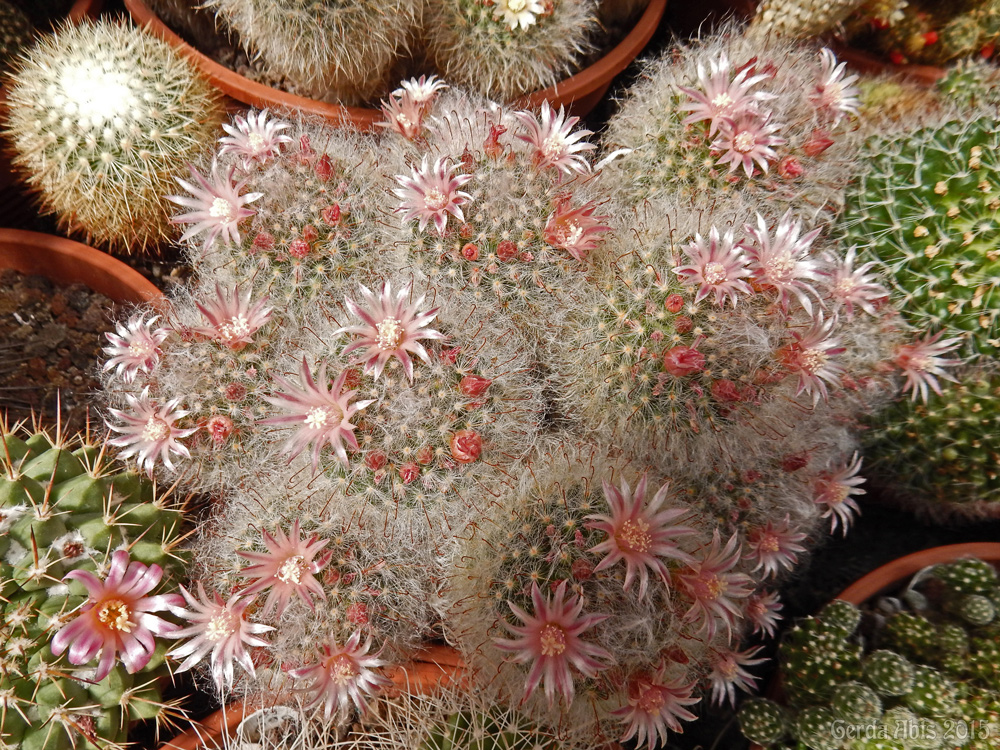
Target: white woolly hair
{"type": "Point", "coordinates": [393, 576]}
{"type": "Point", "coordinates": [617, 395]}
{"type": "Point", "coordinates": [471, 48]}
{"type": "Point", "coordinates": [661, 161]}
{"type": "Point", "coordinates": [530, 536]}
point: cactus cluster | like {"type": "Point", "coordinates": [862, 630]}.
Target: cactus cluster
{"type": "Point", "coordinates": [71, 522]}
{"type": "Point", "coordinates": [923, 679]}
{"type": "Point", "coordinates": [801, 19]}
{"type": "Point", "coordinates": [102, 116]}
{"type": "Point", "coordinates": [924, 210]}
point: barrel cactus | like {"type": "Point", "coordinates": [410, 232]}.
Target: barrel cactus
{"type": "Point", "coordinates": [102, 115]}
{"type": "Point", "coordinates": [82, 545]}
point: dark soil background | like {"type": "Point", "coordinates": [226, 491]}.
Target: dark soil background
{"type": "Point", "coordinates": [879, 535]}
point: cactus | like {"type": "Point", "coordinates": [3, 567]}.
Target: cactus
{"type": "Point", "coordinates": [888, 672]}
{"type": "Point", "coordinates": [99, 135]}
{"type": "Point", "coordinates": [970, 83]}
{"type": "Point", "coordinates": [969, 576]}
{"type": "Point", "coordinates": [342, 51]}
{"type": "Point", "coordinates": [762, 721]}
{"type": "Point", "coordinates": [800, 19]}
{"type": "Point", "coordinates": [731, 115]}
{"type": "Point", "coordinates": [66, 514]}
{"type": "Point", "coordinates": [16, 33]}
{"type": "Point", "coordinates": [508, 48]}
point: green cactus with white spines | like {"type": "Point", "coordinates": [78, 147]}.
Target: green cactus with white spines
{"type": "Point", "coordinates": [888, 673]}
{"type": "Point", "coordinates": [102, 116]}
{"type": "Point", "coordinates": [64, 507]}
{"type": "Point", "coordinates": [508, 48]}
{"type": "Point", "coordinates": [330, 50]}
{"type": "Point", "coordinates": [971, 83]}
{"type": "Point", "coordinates": [763, 721]}
{"type": "Point", "coordinates": [16, 33]}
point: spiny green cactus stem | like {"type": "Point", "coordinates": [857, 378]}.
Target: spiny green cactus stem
{"type": "Point", "coordinates": [970, 576]}
{"type": "Point", "coordinates": [64, 507]}
{"type": "Point", "coordinates": [763, 721]}
{"type": "Point", "coordinates": [888, 672]}
{"type": "Point", "coordinates": [102, 116]}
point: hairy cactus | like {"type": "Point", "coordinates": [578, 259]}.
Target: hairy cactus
{"type": "Point", "coordinates": [507, 48]}
{"type": "Point", "coordinates": [523, 226]}
{"type": "Point", "coordinates": [100, 135]}
{"type": "Point", "coordinates": [70, 526]}
{"type": "Point", "coordinates": [16, 33]}
{"type": "Point", "coordinates": [801, 19]}
{"type": "Point", "coordinates": [730, 114]}
{"type": "Point", "coordinates": [339, 51]}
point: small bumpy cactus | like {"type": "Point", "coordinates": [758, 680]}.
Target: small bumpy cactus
{"type": "Point", "coordinates": [102, 116]}
{"type": "Point", "coordinates": [971, 83]}
{"type": "Point", "coordinates": [71, 526]}
{"type": "Point", "coordinates": [925, 210]}
{"type": "Point", "coordinates": [763, 721]}
{"type": "Point", "coordinates": [946, 696]}
{"type": "Point", "coordinates": [325, 50]}
{"type": "Point", "coordinates": [16, 32]}
{"type": "Point", "coordinates": [801, 19]}
{"type": "Point", "coordinates": [507, 48]}
{"type": "Point", "coordinates": [733, 114]}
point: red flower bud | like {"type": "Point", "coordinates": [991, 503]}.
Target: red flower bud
{"type": "Point", "coordinates": [357, 613]}
{"type": "Point", "coordinates": [298, 248]}
{"type": "Point", "coordinates": [470, 251]}
{"type": "Point", "coordinates": [408, 472]}
{"type": "Point", "coordinates": [219, 428]}
{"type": "Point", "coordinates": [263, 241]}
{"type": "Point", "coordinates": [425, 455]}
{"type": "Point", "coordinates": [794, 461]}
{"type": "Point", "coordinates": [683, 360]}
{"type": "Point", "coordinates": [310, 233]}
{"type": "Point", "coordinates": [235, 392]}
{"type": "Point", "coordinates": [818, 142]}
{"type": "Point", "coordinates": [473, 385]}
{"type": "Point", "coordinates": [466, 445]}
{"type": "Point", "coordinates": [789, 168]}
{"type": "Point", "coordinates": [331, 214]}
{"type": "Point", "coordinates": [324, 168]}
{"type": "Point", "coordinates": [506, 251]}
{"type": "Point", "coordinates": [674, 303]}
{"type": "Point", "coordinates": [683, 324]}
{"type": "Point", "coordinates": [581, 569]}
{"type": "Point", "coordinates": [725, 391]}
{"type": "Point", "coordinates": [375, 460]}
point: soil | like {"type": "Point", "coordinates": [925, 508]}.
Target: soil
{"type": "Point", "coordinates": [50, 345]}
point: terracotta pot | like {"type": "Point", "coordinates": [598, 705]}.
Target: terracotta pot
{"type": "Point", "coordinates": [83, 9]}
{"type": "Point", "coordinates": [891, 575]}
{"type": "Point", "coordinates": [580, 93]}
{"type": "Point", "coordinates": [66, 261]}
{"type": "Point", "coordinates": [438, 665]}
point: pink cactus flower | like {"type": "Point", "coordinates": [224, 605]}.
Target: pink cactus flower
{"type": "Point", "coordinates": [220, 629]}
{"type": "Point", "coordinates": [218, 206]}
{"type": "Point", "coordinates": [233, 320]}
{"type": "Point", "coordinates": [720, 96]}
{"type": "Point", "coordinates": [729, 674]}
{"type": "Point", "coordinates": [763, 612]}
{"type": "Point", "coordinates": [391, 328]}
{"type": "Point", "coordinates": [343, 676]}
{"type": "Point", "coordinates": [288, 567]}
{"type": "Point", "coordinates": [149, 432]}
{"type": "Point", "coordinates": [774, 547]}
{"type": "Point", "coordinates": [134, 347]}
{"type": "Point", "coordinates": [782, 261]}
{"type": "Point", "coordinates": [810, 356]}
{"type": "Point", "coordinates": [833, 490]}
{"type": "Point", "coordinates": [421, 90]}
{"type": "Point", "coordinates": [654, 705]}
{"type": "Point", "coordinates": [641, 535]}
{"type": "Point", "coordinates": [322, 411]}
{"type": "Point", "coordinates": [746, 139]}
{"type": "Point", "coordinates": [681, 361]}
{"type": "Point", "coordinates": [835, 95]}
{"type": "Point", "coordinates": [849, 286]}
{"type": "Point", "coordinates": [575, 230]}
{"type": "Point", "coordinates": [718, 266]}
{"type": "Point", "coordinates": [403, 114]}
{"type": "Point", "coordinates": [550, 641]}
{"type": "Point", "coordinates": [922, 363]}
{"type": "Point", "coordinates": [713, 588]}
{"type": "Point", "coordinates": [431, 193]}
{"type": "Point", "coordinates": [254, 139]}
{"type": "Point", "coordinates": [553, 141]}
{"type": "Point", "coordinates": [117, 620]}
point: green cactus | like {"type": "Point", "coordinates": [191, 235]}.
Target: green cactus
{"type": "Point", "coordinates": [814, 661]}
{"type": "Point", "coordinates": [840, 618]}
{"type": "Point", "coordinates": [975, 609]}
{"type": "Point", "coordinates": [474, 730]}
{"type": "Point", "coordinates": [763, 721]}
{"type": "Point", "coordinates": [888, 672]}
{"type": "Point", "coordinates": [63, 507]}
{"type": "Point", "coordinates": [913, 635]}
{"type": "Point", "coordinates": [814, 727]}
{"type": "Point", "coordinates": [969, 576]}
{"type": "Point", "coordinates": [856, 703]}
{"type": "Point", "coordinates": [933, 694]}
{"type": "Point", "coordinates": [101, 117]}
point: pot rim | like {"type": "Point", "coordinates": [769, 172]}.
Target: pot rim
{"type": "Point", "coordinates": [583, 86]}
